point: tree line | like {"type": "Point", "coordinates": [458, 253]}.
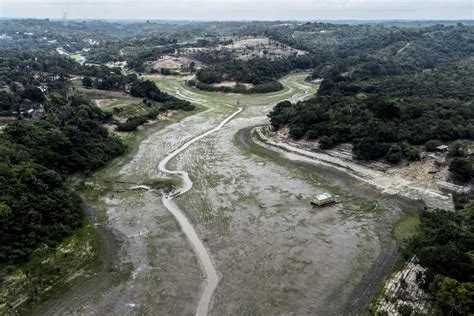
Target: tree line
{"type": "Point", "coordinates": [386, 107]}
{"type": "Point", "coordinates": [37, 206]}
{"type": "Point", "coordinates": [444, 246]}
{"type": "Point", "coordinates": [260, 72]}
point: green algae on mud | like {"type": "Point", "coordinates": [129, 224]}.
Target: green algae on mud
{"type": "Point", "coordinates": [266, 240]}
{"type": "Point", "coordinates": [50, 272]}
{"type": "Point", "coordinates": [372, 265]}
{"type": "Point", "coordinates": [407, 226]}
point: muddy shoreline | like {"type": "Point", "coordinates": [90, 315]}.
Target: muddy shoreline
{"type": "Point", "coordinates": [275, 253]}
{"type": "Point", "coordinates": [436, 196]}
{"type": "Point", "coordinates": [367, 288]}
{"type": "Point", "coordinates": [202, 253]}
{"type": "Point", "coordinates": [87, 287]}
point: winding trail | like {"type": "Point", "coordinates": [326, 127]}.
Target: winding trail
{"type": "Point", "coordinates": [186, 226]}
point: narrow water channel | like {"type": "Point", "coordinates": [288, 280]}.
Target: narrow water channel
{"type": "Point", "coordinates": [186, 226]}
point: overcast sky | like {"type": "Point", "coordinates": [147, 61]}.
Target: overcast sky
{"type": "Point", "coordinates": [240, 9]}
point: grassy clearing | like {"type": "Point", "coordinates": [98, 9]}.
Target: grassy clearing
{"type": "Point", "coordinates": [76, 82]}
{"type": "Point", "coordinates": [49, 272]}
{"type": "Point", "coordinates": [117, 99]}
{"type": "Point", "coordinates": [78, 57]}
{"type": "Point", "coordinates": [407, 226]}
{"type": "Point", "coordinates": [132, 110]}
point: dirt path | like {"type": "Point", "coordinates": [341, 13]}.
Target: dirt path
{"type": "Point", "coordinates": [186, 226]}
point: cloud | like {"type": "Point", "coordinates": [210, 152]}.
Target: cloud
{"type": "Point", "coordinates": [241, 9]}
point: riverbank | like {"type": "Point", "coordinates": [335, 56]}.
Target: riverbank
{"type": "Point", "coordinates": [85, 263]}
{"type": "Point", "coordinates": [436, 195]}
{"type": "Point", "coordinates": [273, 251]}
{"type": "Point", "coordinates": [204, 258]}
{"type": "Point", "coordinates": [368, 284]}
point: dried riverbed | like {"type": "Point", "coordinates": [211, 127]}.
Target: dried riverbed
{"type": "Point", "coordinates": [273, 252]}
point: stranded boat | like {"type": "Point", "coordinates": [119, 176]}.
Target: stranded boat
{"type": "Point", "coordinates": [323, 200]}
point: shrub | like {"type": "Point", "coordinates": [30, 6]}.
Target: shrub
{"type": "Point", "coordinates": [462, 169]}
{"type": "Point", "coordinates": [369, 148]}
{"type": "Point", "coordinates": [457, 149]}
{"type": "Point", "coordinates": [405, 310]}
{"type": "Point", "coordinates": [412, 153]}
{"type": "Point", "coordinates": [432, 144]}
{"type": "Point", "coordinates": [327, 142]}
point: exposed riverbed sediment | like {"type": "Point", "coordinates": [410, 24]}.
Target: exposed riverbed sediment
{"type": "Point", "coordinates": [186, 226]}
{"type": "Point", "coordinates": [274, 252]}
{"type": "Point", "coordinates": [386, 181]}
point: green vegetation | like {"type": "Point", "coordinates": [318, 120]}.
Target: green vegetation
{"type": "Point", "coordinates": [444, 246]}
{"type": "Point", "coordinates": [132, 123]}
{"type": "Point", "coordinates": [378, 50]}
{"type": "Point", "coordinates": [22, 73]}
{"type": "Point", "coordinates": [378, 126]}
{"type": "Point", "coordinates": [407, 226]}
{"type": "Point", "coordinates": [388, 107]}
{"type": "Point", "coordinates": [462, 168]}
{"type": "Point", "coordinates": [260, 72]}
{"type": "Point", "coordinates": [41, 212]}
{"type": "Point", "coordinates": [37, 206]}
{"type": "Point", "coordinates": [150, 109]}
{"type": "Point", "coordinates": [49, 272]}
{"type": "Point", "coordinates": [147, 89]}
{"type": "Point", "coordinates": [388, 90]}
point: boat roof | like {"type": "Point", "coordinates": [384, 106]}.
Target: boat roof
{"type": "Point", "coordinates": [323, 196]}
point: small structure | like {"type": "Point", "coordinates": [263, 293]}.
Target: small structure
{"type": "Point", "coordinates": [323, 200]}
{"type": "Point", "coordinates": [442, 148]}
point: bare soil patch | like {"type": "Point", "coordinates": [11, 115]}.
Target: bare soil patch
{"type": "Point", "coordinates": [104, 94]}
{"type": "Point", "coordinates": [102, 103]}
{"type": "Point", "coordinates": [248, 48]}
{"type": "Point", "coordinates": [175, 63]}
{"type": "Point", "coordinates": [412, 181]}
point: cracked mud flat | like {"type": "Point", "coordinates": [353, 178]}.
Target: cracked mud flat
{"type": "Point", "coordinates": [273, 252]}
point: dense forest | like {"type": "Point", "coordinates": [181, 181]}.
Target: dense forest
{"type": "Point", "coordinates": [386, 107]}
{"type": "Point", "coordinates": [37, 206]}
{"type": "Point", "coordinates": [444, 247]}
{"type": "Point", "coordinates": [260, 72]}
{"type": "Point", "coordinates": [58, 132]}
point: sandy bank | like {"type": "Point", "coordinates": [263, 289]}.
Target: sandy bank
{"type": "Point", "coordinates": [436, 193]}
